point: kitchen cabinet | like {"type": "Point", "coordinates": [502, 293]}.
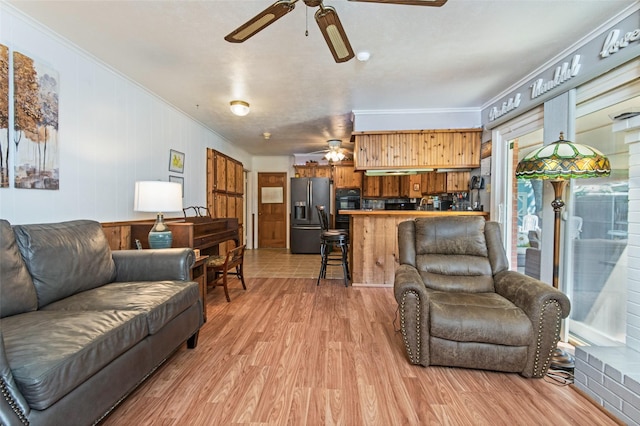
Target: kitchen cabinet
{"type": "Point", "coordinates": [411, 186]}
{"type": "Point", "coordinates": [346, 177]}
{"type": "Point", "coordinates": [313, 171]}
{"type": "Point", "coordinates": [438, 183]}
{"type": "Point", "coordinates": [371, 186]}
{"type": "Point", "coordinates": [433, 183]}
{"type": "Point", "coordinates": [458, 181]}
{"type": "Point", "coordinates": [390, 186]}
{"type": "Point", "coordinates": [417, 149]}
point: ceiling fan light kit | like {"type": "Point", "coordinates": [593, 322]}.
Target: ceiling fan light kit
{"type": "Point", "coordinates": [239, 108]}
{"type": "Point", "coordinates": [326, 17]}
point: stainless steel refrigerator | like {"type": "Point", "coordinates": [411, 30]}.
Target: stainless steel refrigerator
{"type": "Point", "coordinates": [306, 194]}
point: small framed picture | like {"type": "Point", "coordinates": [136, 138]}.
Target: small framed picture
{"type": "Point", "coordinates": [176, 161]}
{"type": "Point", "coordinates": [178, 179]}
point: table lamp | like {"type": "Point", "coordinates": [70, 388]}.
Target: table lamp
{"type": "Point", "coordinates": [558, 162]}
{"type": "Point", "coordinates": [159, 197]}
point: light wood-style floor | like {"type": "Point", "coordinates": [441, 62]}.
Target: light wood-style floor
{"type": "Point", "coordinates": [288, 352]}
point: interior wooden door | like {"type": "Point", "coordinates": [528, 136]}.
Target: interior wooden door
{"type": "Point", "coordinates": [272, 210]}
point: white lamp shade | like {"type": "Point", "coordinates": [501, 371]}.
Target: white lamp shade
{"type": "Point", "coordinates": [157, 196]}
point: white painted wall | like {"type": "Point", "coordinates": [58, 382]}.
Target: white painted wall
{"type": "Point", "coordinates": [112, 132]}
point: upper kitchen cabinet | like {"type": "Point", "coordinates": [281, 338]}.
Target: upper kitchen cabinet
{"type": "Point", "coordinates": [434, 183]}
{"type": "Point", "coordinates": [371, 186]}
{"type": "Point", "coordinates": [313, 171]}
{"type": "Point", "coordinates": [458, 181]}
{"type": "Point", "coordinates": [345, 176]}
{"type": "Point", "coordinates": [459, 148]}
{"type": "Point", "coordinates": [411, 186]}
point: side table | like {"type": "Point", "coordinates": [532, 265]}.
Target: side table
{"type": "Point", "coordinates": [199, 275]}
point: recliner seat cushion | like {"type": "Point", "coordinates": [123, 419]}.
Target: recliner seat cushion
{"type": "Point", "coordinates": [478, 317]}
{"type": "Point", "coordinates": [161, 301]}
{"type": "Point", "coordinates": [17, 293]}
{"type": "Point", "coordinates": [52, 352]}
{"type": "Point", "coordinates": [65, 258]}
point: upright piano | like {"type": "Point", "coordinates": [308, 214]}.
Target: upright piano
{"type": "Point", "coordinates": [200, 232]}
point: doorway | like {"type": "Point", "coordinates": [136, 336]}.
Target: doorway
{"type": "Point", "coordinates": [272, 210]}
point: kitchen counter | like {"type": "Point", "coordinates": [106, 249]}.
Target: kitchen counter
{"type": "Point", "coordinates": [374, 242]}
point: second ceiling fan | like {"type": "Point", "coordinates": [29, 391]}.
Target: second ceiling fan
{"type": "Point", "coordinates": [325, 16]}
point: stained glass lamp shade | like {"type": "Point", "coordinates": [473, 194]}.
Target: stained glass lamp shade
{"type": "Point", "coordinates": [563, 160]}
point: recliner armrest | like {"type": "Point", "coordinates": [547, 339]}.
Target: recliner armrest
{"type": "Point", "coordinates": [154, 265]}
{"type": "Point", "coordinates": [545, 306]}
{"type": "Point", "coordinates": [413, 305]}
{"type": "Point", "coordinates": [528, 293]}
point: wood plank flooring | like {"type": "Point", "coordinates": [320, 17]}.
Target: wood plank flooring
{"type": "Point", "coordinates": [287, 352]}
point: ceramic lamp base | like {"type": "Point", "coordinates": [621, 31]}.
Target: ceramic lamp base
{"type": "Point", "coordinates": [160, 235]}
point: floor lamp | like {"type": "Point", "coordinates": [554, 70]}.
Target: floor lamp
{"type": "Point", "coordinates": [558, 162]}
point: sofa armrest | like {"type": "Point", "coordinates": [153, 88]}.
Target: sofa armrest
{"type": "Point", "coordinates": [413, 305]}
{"type": "Point", "coordinates": [13, 407]}
{"type": "Point", "coordinates": [545, 306]}
{"type": "Point", "coordinates": [154, 265]}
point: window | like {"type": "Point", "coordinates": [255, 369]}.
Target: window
{"type": "Point", "coordinates": [595, 234]}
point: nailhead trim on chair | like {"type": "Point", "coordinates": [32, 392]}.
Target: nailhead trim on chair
{"type": "Point", "coordinates": [545, 365]}
{"type": "Point", "coordinates": [416, 359]}
{"type": "Point", "coordinates": [12, 403]}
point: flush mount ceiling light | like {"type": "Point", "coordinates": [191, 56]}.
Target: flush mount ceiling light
{"type": "Point", "coordinates": [363, 56]}
{"type": "Point", "coordinates": [240, 108]}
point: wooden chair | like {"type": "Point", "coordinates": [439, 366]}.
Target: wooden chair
{"type": "Point", "coordinates": [219, 266]}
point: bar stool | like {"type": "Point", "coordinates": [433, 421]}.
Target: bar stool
{"type": "Point", "coordinates": [328, 239]}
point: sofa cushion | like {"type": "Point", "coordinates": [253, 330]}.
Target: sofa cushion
{"type": "Point", "coordinates": [160, 301]}
{"type": "Point", "coordinates": [478, 317]}
{"type": "Point", "coordinates": [17, 293]}
{"type": "Point", "coordinates": [52, 352]}
{"type": "Point", "coordinates": [451, 235]}
{"type": "Point", "coordinates": [65, 258]}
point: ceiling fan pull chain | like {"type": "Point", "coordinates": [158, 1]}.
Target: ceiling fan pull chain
{"type": "Point", "coordinates": [306, 23]}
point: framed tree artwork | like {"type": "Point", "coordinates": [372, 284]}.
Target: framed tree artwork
{"type": "Point", "coordinates": [35, 124]}
{"type": "Point", "coordinates": [4, 116]}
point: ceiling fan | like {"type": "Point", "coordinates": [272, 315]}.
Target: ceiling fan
{"type": "Point", "coordinates": [334, 152]}
{"type": "Point", "coordinates": [325, 16]}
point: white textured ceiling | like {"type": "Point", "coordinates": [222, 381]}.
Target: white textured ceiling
{"type": "Point", "coordinates": [458, 56]}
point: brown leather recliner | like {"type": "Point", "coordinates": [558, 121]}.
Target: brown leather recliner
{"type": "Point", "coordinates": [460, 306]}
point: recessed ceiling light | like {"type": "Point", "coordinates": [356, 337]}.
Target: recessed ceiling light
{"type": "Point", "coordinates": [240, 108]}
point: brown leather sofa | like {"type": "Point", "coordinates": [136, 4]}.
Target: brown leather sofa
{"type": "Point", "coordinates": [460, 306]}
{"type": "Point", "coordinates": [80, 326]}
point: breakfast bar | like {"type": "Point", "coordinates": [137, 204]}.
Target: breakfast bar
{"type": "Point", "coordinates": [374, 242]}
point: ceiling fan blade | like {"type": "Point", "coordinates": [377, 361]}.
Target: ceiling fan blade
{"type": "Point", "coordinates": [436, 3]}
{"type": "Point", "coordinates": [261, 21]}
{"type": "Point", "coordinates": [334, 34]}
